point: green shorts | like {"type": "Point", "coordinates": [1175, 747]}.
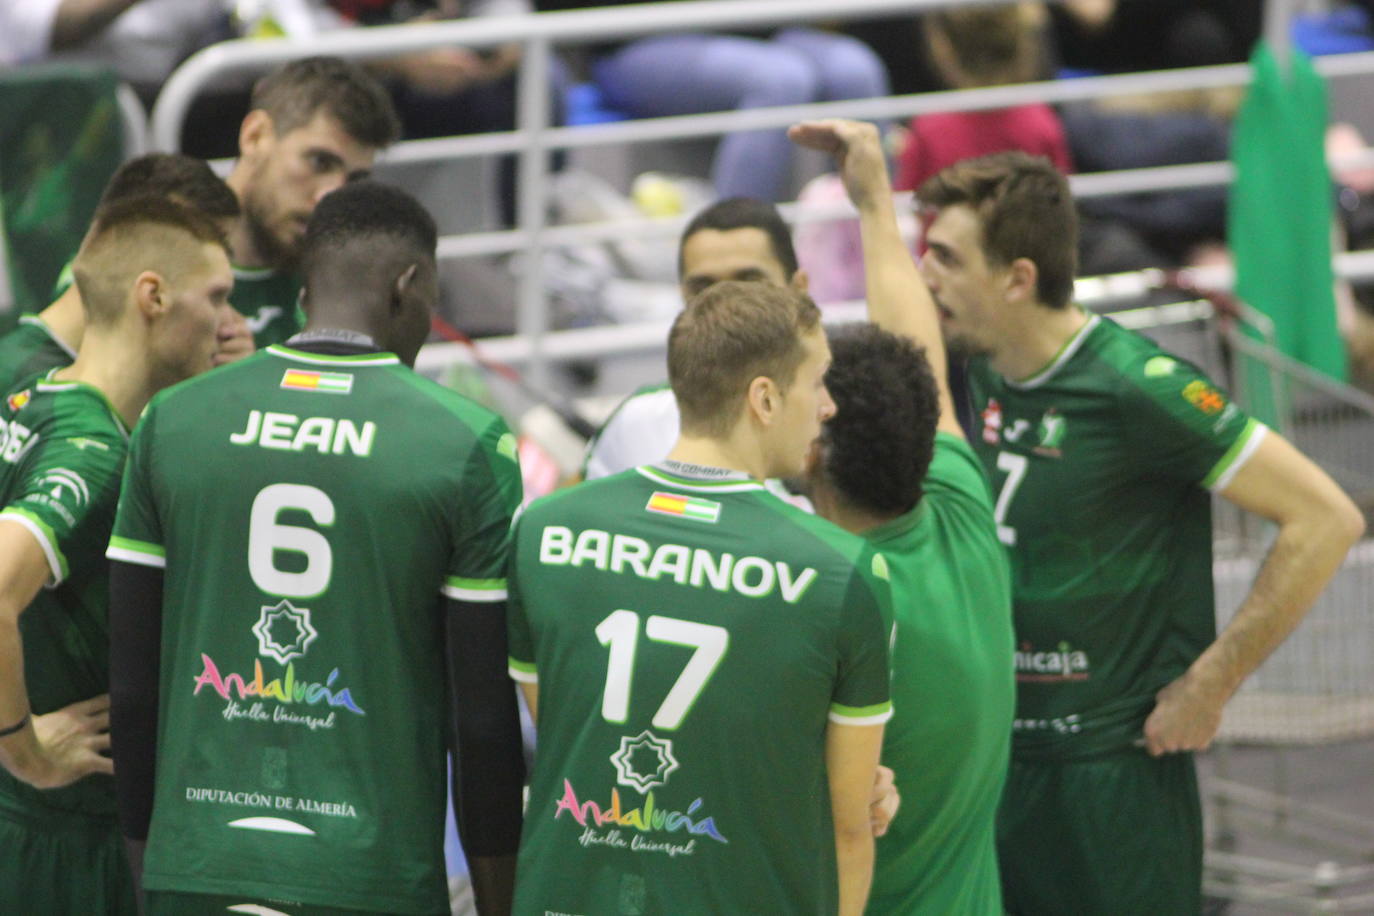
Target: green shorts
{"type": "Point", "coordinates": [1115, 835]}
{"type": "Point", "coordinates": [172, 903]}
{"type": "Point", "coordinates": [65, 865]}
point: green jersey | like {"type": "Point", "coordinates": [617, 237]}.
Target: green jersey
{"type": "Point", "coordinates": [1102, 462]}
{"type": "Point", "coordinates": [310, 512]}
{"type": "Point", "coordinates": [691, 637]}
{"type": "Point", "coordinates": [62, 448]}
{"type": "Point", "coordinates": [950, 735]}
{"type": "Point", "coordinates": [270, 300]}
{"type": "Point", "coordinates": [30, 349]}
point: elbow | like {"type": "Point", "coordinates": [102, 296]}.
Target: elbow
{"type": "Point", "coordinates": [1348, 522]}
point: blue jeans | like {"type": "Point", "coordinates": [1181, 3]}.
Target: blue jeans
{"type": "Point", "coordinates": [695, 73]}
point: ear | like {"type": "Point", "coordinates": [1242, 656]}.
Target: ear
{"type": "Point", "coordinates": [401, 287]}
{"type": "Point", "coordinates": [1022, 275]}
{"type": "Point", "coordinates": [763, 399]}
{"type": "Point", "coordinates": [151, 295]}
{"type": "Point", "coordinates": [800, 281]}
{"type": "Point", "coordinates": [256, 133]}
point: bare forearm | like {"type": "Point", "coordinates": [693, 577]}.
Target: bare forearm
{"type": "Point", "coordinates": [19, 751]}
{"type": "Point", "coordinates": [78, 20]}
{"type": "Point", "coordinates": [1304, 557]}
{"type": "Point", "coordinates": [897, 297]}
{"type": "Point", "coordinates": [854, 864]}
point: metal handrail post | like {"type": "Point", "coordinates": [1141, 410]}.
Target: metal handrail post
{"type": "Point", "coordinates": [532, 314]}
{"type": "Point", "coordinates": [135, 121]}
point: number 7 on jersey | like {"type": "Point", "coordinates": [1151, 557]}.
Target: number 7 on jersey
{"type": "Point", "coordinates": [1015, 466]}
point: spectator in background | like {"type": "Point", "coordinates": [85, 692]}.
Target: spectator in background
{"type": "Point", "coordinates": [30, 30]}
{"type": "Point", "coordinates": [691, 73]}
{"type": "Point", "coordinates": [971, 48]}
{"type": "Point", "coordinates": [141, 40]}
{"type": "Point", "coordinates": [452, 90]}
{"type": "Point", "coordinates": [1121, 37]}
{"type": "Point", "coordinates": [968, 48]}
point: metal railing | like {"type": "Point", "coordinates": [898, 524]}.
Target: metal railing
{"type": "Point", "coordinates": [534, 137]}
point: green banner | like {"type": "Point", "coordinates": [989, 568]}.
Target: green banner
{"type": "Point", "coordinates": [60, 141]}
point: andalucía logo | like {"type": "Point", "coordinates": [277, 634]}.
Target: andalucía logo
{"type": "Point", "coordinates": [601, 824]}
{"type": "Point", "coordinates": [285, 690]}
{"type": "Point", "coordinates": [1064, 663]}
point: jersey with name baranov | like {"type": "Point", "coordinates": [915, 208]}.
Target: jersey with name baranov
{"type": "Point", "coordinates": [62, 448]}
{"type": "Point", "coordinates": [310, 512]}
{"type": "Point", "coordinates": [1102, 464]}
{"type": "Point", "coordinates": [29, 350]}
{"type": "Point", "coordinates": [691, 638]}
{"type": "Point", "coordinates": [952, 693]}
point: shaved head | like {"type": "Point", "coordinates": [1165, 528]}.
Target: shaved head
{"type": "Point", "coordinates": [136, 235]}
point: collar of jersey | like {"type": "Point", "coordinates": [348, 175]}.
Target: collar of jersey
{"type": "Point", "coordinates": [38, 322]}
{"type": "Point", "coordinates": [896, 527]}
{"type": "Point", "coordinates": [252, 273]}
{"type": "Point", "coordinates": [659, 475]}
{"type": "Point", "coordinates": [46, 385]}
{"type": "Point", "coordinates": [320, 359]}
{"type": "Point", "coordinates": [1066, 352]}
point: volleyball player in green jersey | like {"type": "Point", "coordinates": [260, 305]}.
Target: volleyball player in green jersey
{"type": "Point", "coordinates": [314, 124]}
{"type": "Point", "coordinates": [153, 275]}
{"type": "Point", "coordinates": [1102, 450]}
{"type": "Point", "coordinates": [31, 349]}
{"type": "Point", "coordinates": [51, 338]}
{"type": "Point", "coordinates": [309, 544]}
{"type": "Point", "coordinates": [894, 467]}
{"type": "Point", "coordinates": [707, 664]}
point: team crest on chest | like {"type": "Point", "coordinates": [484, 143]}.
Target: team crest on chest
{"type": "Point", "coordinates": [1052, 427]}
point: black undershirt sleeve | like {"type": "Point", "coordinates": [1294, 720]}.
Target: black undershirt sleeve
{"type": "Point", "coordinates": [488, 758]}
{"type": "Point", "coordinates": [135, 654]}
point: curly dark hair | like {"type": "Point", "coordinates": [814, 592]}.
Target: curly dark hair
{"type": "Point", "coordinates": [877, 448]}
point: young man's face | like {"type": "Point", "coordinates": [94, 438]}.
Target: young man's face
{"type": "Point", "coordinates": [288, 174]}
{"type": "Point", "coordinates": [712, 255]}
{"type": "Point", "coordinates": [184, 339]}
{"type": "Point", "coordinates": [806, 404]}
{"type": "Point", "coordinates": [967, 290]}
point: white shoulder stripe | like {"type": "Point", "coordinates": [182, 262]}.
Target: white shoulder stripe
{"type": "Point", "coordinates": [524, 677]}
{"type": "Point", "coordinates": [879, 719]}
{"type": "Point", "coordinates": [49, 548]}
{"type": "Point", "coordinates": [125, 555]}
{"type": "Point", "coordinates": [474, 594]}
{"type": "Point", "coordinates": [1242, 457]}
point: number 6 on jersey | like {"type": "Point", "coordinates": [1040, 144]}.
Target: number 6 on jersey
{"type": "Point", "coordinates": [620, 632]}
{"type": "Point", "coordinates": [266, 536]}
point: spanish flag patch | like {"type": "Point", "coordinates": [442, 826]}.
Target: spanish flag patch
{"type": "Point", "coordinates": [703, 510]}
{"type": "Point", "coordinates": [306, 380]}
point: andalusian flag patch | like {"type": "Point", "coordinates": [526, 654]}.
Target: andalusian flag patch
{"type": "Point", "coordinates": [703, 510]}
{"type": "Point", "coordinates": [306, 380]}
